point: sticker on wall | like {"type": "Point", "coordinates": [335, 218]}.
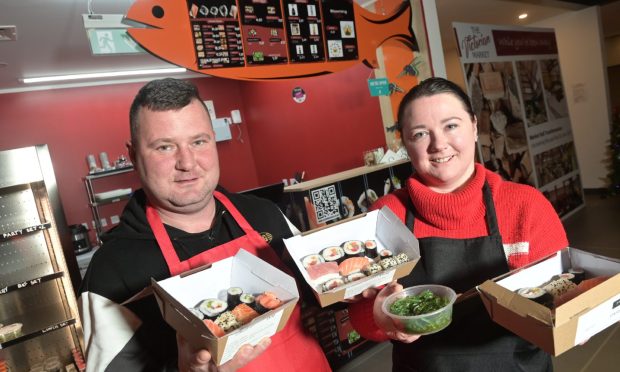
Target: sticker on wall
{"type": "Point", "coordinates": [299, 95]}
{"type": "Point", "coordinates": [378, 87]}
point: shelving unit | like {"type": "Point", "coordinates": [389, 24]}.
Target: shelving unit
{"type": "Point", "coordinates": [35, 286]}
{"type": "Point", "coordinates": [94, 203]}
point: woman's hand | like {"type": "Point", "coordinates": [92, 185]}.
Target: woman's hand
{"type": "Point", "coordinates": [385, 322]}
{"type": "Point", "coordinates": [192, 360]}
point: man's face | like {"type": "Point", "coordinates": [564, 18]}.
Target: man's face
{"type": "Point", "coordinates": [176, 157]}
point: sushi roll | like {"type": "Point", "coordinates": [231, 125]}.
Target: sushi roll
{"type": "Point", "coordinates": [388, 262]}
{"type": "Point", "coordinates": [227, 321]}
{"type": "Point", "coordinates": [401, 258]}
{"type": "Point", "coordinates": [267, 301]}
{"type": "Point", "coordinates": [233, 295]}
{"type": "Point", "coordinates": [197, 312]}
{"type": "Point", "coordinates": [333, 254]}
{"type": "Point", "coordinates": [311, 259]}
{"type": "Point", "coordinates": [559, 286]}
{"type": "Point", "coordinates": [355, 276]}
{"type": "Point", "coordinates": [212, 307]}
{"type": "Point", "coordinates": [353, 248]}
{"type": "Point", "coordinates": [385, 254]}
{"type": "Point", "coordinates": [578, 274]}
{"type": "Point", "coordinates": [372, 268]}
{"type": "Point", "coordinates": [331, 284]}
{"type": "Point", "coordinates": [248, 299]}
{"type": "Point", "coordinates": [537, 295]}
{"type": "Point", "coordinates": [371, 249]}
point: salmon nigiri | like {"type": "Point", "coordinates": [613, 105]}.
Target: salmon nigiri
{"type": "Point", "coordinates": [352, 265]}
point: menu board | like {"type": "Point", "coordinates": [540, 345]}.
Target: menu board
{"type": "Point", "coordinates": [340, 32]}
{"type": "Point", "coordinates": [304, 30]}
{"type": "Point", "coordinates": [263, 32]}
{"type": "Point", "coordinates": [215, 29]}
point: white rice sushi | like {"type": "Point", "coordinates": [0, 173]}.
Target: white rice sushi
{"type": "Point", "coordinates": [353, 248]}
{"type": "Point", "coordinates": [311, 259]}
{"type": "Point", "coordinates": [331, 284]}
{"type": "Point", "coordinates": [355, 276]}
{"type": "Point", "coordinates": [212, 307]}
{"type": "Point", "coordinates": [227, 321]}
{"type": "Point", "coordinates": [333, 254]}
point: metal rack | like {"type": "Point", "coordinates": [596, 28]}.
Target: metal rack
{"type": "Point", "coordinates": [94, 204]}
{"type": "Point", "coordinates": [36, 289]}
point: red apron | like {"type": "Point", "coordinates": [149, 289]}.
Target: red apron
{"type": "Point", "coordinates": [291, 349]}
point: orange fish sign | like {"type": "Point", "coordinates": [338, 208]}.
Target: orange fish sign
{"type": "Point", "coordinates": [266, 39]}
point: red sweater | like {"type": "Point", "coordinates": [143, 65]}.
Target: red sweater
{"type": "Point", "coordinates": [529, 226]}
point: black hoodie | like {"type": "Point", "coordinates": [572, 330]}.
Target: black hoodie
{"type": "Point", "coordinates": [127, 260]}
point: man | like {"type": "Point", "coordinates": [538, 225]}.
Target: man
{"type": "Point", "coordinates": [179, 220]}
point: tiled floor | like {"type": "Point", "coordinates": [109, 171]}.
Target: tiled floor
{"type": "Point", "coordinates": [594, 228]}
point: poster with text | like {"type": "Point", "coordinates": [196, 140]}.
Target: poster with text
{"type": "Point", "coordinates": [340, 33]}
{"type": "Point", "coordinates": [216, 33]}
{"type": "Point", "coordinates": [264, 37]}
{"type": "Point", "coordinates": [304, 29]}
{"type": "Point", "coordinates": [513, 77]}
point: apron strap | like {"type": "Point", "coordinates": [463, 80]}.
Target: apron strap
{"type": "Point", "coordinates": [234, 212]}
{"type": "Point", "coordinates": [163, 240]}
{"type": "Point", "coordinates": [490, 216]}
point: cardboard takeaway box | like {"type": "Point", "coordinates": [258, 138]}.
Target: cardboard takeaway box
{"type": "Point", "coordinates": [174, 295]}
{"type": "Point", "coordinates": [573, 322]}
{"type": "Point", "coordinates": [382, 226]}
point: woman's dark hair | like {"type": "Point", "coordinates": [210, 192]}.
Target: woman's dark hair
{"type": "Point", "coordinates": [431, 87]}
{"type": "Point", "coordinates": [161, 95]}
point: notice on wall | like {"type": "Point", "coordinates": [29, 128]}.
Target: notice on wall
{"type": "Point", "coordinates": [216, 33]}
{"type": "Point", "coordinates": [340, 33]}
{"type": "Point", "coordinates": [264, 37]}
{"type": "Point", "coordinates": [515, 84]}
{"type": "Point", "coordinates": [304, 29]}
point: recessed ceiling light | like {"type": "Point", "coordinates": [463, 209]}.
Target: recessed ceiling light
{"type": "Point", "coordinates": [523, 16]}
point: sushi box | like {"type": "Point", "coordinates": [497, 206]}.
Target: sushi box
{"type": "Point", "coordinates": [176, 295]}
{"type": "Point", "coordinates": [569, 324]}
{"type": "Point", "coordinates": [381, 226]}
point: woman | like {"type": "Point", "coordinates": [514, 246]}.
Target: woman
{"type": "Point", "coordinates": [472, 226]}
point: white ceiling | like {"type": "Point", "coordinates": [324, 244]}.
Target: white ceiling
{"type": "Point", "coordinates": [51, 39]}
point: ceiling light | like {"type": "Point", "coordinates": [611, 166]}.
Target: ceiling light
{"type": "Point", "coordinates": [96, 75]}
{"type": "Point", "coordinates": [523, 16]}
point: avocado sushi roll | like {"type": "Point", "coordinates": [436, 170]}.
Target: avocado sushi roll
{"type": "Point", "coordinates": [233, 295]}
{"type": "Point", "coordinates": [537, 295]}
{"type": "Point", "coordinates": [212, 307]}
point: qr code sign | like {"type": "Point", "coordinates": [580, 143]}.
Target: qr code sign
{"type": "Point", "coordinates": [325, 203]}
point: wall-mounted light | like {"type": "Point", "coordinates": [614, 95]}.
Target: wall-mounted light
{"type": "Point", "coordinates": [96, 75]}
{"type": "Point", "coordinates": [523, 16]}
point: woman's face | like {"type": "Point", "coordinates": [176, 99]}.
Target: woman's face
{"type": "Point", "coordinates": [440, 138]}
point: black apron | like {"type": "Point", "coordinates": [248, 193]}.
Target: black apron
{"type": "Point", "coordinates": [472, 342]}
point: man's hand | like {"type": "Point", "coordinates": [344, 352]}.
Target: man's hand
{"type": "Point", "coordinates": [385, 322]}
{"type": "Point", "coordinates": [192, 360]}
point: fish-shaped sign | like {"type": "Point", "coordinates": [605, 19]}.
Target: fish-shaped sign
{"type": "Point", "coordinates": [267, 39]}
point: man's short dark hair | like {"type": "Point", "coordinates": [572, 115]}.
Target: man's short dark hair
{"type": "Point", "coordinates": [431, 87]}
{"type": "Point", "coordinates": [161, 95]}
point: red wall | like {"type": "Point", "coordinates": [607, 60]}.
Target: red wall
{"type": "Point", "coordinates": [326, 134]}
{"type": "Point", "coordinates": [76, 122]}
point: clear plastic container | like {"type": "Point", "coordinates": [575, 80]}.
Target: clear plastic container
{"type": "Point", "coordinates": [423, 324]}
